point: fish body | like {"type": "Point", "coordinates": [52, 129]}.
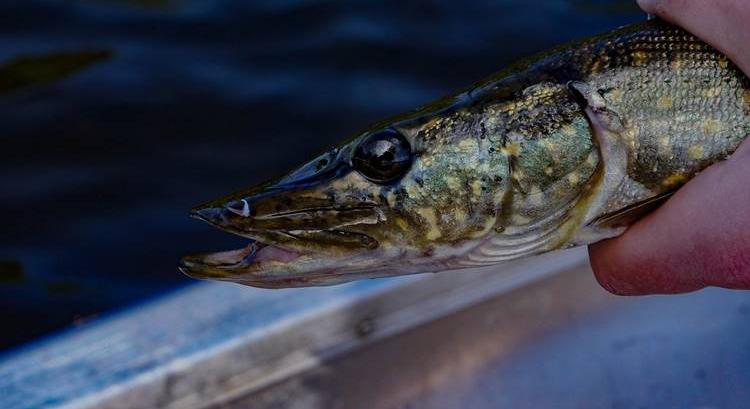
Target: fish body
{"type": "Point", "coordinates": [563, 149]}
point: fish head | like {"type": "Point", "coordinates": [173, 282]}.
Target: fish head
{"type": "Point", "coordinates": [403, 197]}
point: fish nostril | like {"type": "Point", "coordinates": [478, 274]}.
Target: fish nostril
{"type": "Point", "coordinates": [239, 207]}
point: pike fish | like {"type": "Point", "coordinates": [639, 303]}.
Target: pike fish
{"type": "Point", "coordinates": [564, 149]}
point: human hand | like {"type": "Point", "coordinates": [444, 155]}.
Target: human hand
{"type": "Point", "coordinates": [701, 236]}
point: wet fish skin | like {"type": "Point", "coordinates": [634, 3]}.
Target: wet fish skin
{"type": "Point", "coordinates": [563, 149]}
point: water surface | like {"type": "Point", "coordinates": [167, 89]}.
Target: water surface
{"type": "Point", "coordinates": [119, 115]}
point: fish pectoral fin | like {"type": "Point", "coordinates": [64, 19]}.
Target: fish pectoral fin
{"type": "Point", "coordinates": [595, 106]}
{"type": "Point", "coordinates": [628, 215]}
{"type": "Point", "coordinates": [608, 130]}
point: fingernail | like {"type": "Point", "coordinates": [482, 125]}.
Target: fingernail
{"type": "Point", "coordinates": [649, 6]}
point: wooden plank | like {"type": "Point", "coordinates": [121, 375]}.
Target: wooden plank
{"type": "Point", "coordinates": [562, 343]}
{"type": "Point", "coordinates": [213, 341]}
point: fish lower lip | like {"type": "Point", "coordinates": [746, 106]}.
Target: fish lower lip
{"type": "Point", "coordinates": [222, 264]}
{"type": "Point", "coordinates": [225, 259]}
{"type": "Point", "coordinates": [259, 261]}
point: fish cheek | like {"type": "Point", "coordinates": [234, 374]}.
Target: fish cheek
{"type": "Point", "coordinates": [449, 203]}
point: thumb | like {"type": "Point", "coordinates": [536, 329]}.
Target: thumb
{"type": "Point", "coordinates": [700, 237]}
{"type": "Point", "coordinates": [721, 23]}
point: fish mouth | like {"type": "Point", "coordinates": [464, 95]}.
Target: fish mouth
{"type": "Point", "coordinates": [293, 248]}
{"type": "Point", "coordinates": [231, 264]}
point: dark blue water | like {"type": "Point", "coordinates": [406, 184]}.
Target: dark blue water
{"type": "Point", "coordinates": [121, 115]}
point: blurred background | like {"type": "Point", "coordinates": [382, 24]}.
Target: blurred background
{"type": "Point", "coordinates": [118, 116]}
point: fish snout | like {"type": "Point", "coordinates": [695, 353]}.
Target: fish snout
{"type": "Point", "coordinates": [211, 215]}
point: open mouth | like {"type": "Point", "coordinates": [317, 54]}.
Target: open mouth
{"type": "Point", "coordinates": [226, 264]}
{"type": "Point", "coordinates": [307, 251]}
{"type": "Point", "coordinates": [268, 266]}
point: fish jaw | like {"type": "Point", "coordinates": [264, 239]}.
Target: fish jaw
{"type": "Point", "coordinates": [269, 266]}
{"type": "Point", "coordinates": [307, 241]}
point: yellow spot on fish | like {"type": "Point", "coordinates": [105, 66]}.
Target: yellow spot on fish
{"type": "Point", "coordinates": [696, 152]}
{"type": "Point", "coordinates": [639, 57]}
{"type": "Point", "coordinates": [677, 64]}
{"type": "Point", "coordinates": [615, 96]}
{"type": "Point", "coordinates": [453, 183]}
{"type": "Point", "coordinates": [711, 126]}
{"type": "Point", "coordinates": [476, 188]}
{"type": "Point", "coordinates": [432, 123]}
{"type": "Point", "coordinates": [413, 190]}
{"type": "Point", "coordinates": [548, 171]}
{"type": "Point", "coordinates": [553, 148]}
{"type": "Point", "coordinates": [429, 216]}
{"type": "Point", "coordinates": [723, 63]}
{"type": "Point", "coordinates": [573, 178]}
{"type": "Point", "coordinates": [665, 102]}
{"type": "Point", "coordinates": [712, 92]}
{"type": "Point", "coordinates": [512, 149]}
{"type": "Point", "coordinates": [630, 137]}
{"type": "Point", "coordinates": [674, 179]}
{"type": "Point", "coordinates": [402, 223]}
{"type": "Point", "coordinates": [568, 130]}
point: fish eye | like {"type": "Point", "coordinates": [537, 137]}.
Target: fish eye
{"type": "Point", "coordinates": [382, 157]}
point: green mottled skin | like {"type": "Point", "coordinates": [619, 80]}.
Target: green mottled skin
{"type": "Point", "coordinates": [559, 150]}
